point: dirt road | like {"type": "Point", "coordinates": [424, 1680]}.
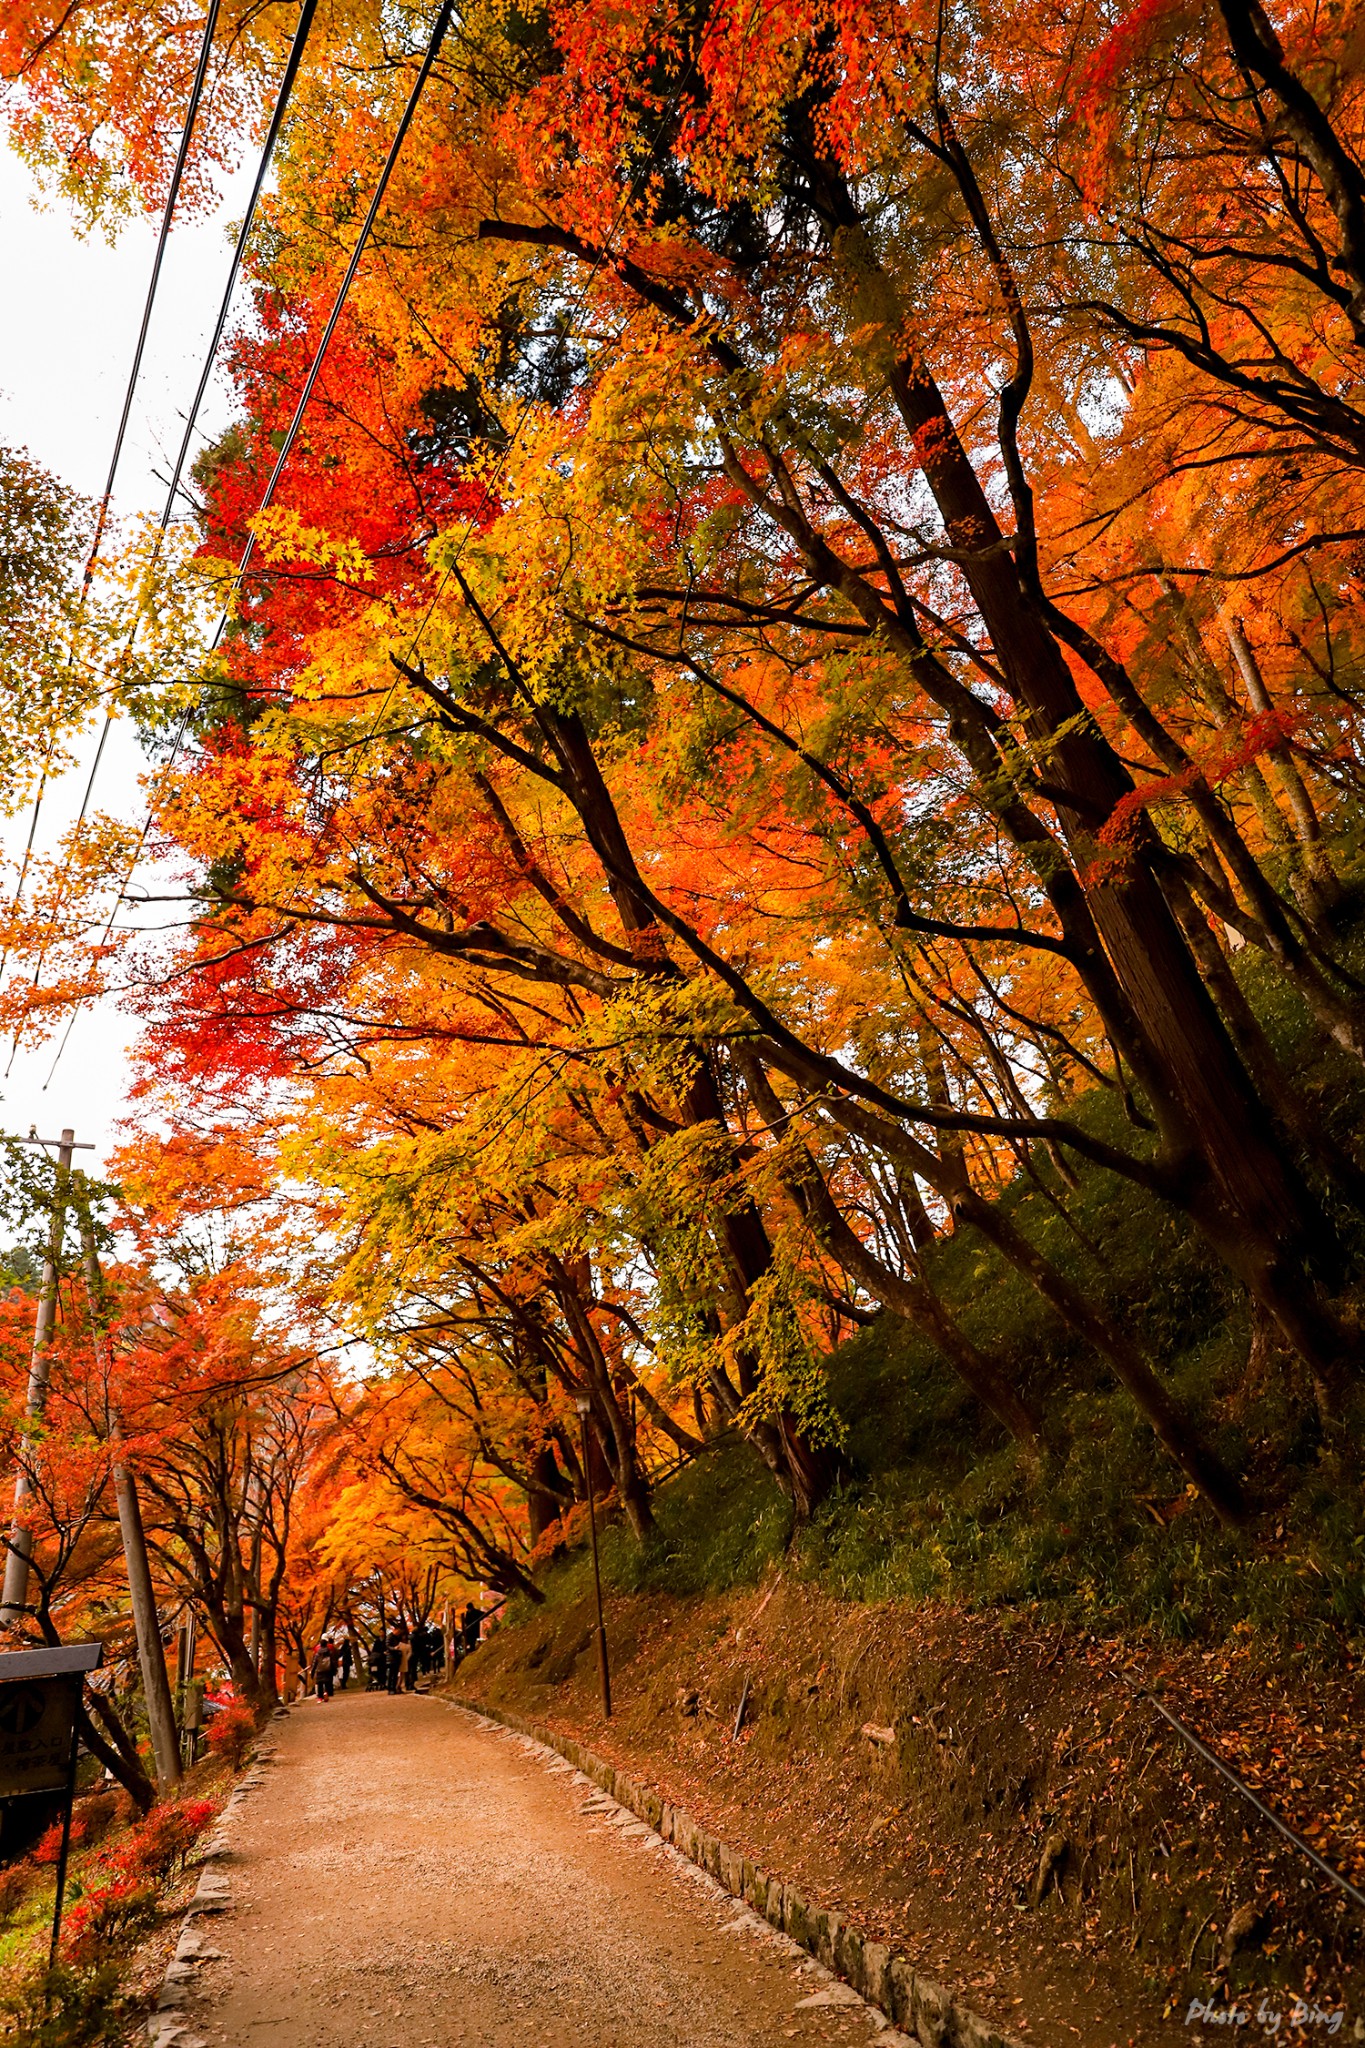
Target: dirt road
{"type": "Point", "coordinates": [404, 1878]}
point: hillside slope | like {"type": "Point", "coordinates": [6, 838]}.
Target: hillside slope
{"type": "Point", "coordinates": [985, 1793]}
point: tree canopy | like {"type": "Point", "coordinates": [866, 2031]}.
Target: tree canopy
{"type": "Point", "coordinates": [802, 682]}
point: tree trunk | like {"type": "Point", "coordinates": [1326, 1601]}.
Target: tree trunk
{"type": "Point", "coordinates": [804, 1473]}
{"type": "Point", "coordinates": [545, 1496]}
{"type": "Point", "coordinates": [1318, 889]}
{"type": "Point", "coordinates": [912, 1300]}
{"type": "Point", "coordinates": [118, 1757]}
{"type": "Point", "coordinates": [1202, 1096]}
{"type": "Point", "coordinates": [156, 1688]}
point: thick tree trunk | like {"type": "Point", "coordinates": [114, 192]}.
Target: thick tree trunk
{"type": "Point", "coordinates": [611, 1426]}
{"type": "Point", "coordinates": [804, 1472]}
{"type": "Point", "coordinates": [156, 1688]}
{"type": "Point", "coordinates": [1202, 1096]}
{"type": "Point", "coordinates": [545, 1496]}
{"type": "Point", "coordinates": [1142, 977]}
{"type": "Point", "coordinates": [1131, 1369]}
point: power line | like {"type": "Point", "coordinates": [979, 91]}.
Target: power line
{"type": "Point", "coordinates": [438, 34]}
{"type": "Point", "coordinates": [282, 98]}
{"type": "Point", "coordinates": [433, 49]}
{"type": "Point", "coordinates": [291, 68]}
{"type": "Point", "coordinates": [173, 193]}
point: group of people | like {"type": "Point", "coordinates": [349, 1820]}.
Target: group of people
{"type": "Point", "coordinates": [402, 1656]}
{"type": "Point", "coordinates": [397, 1657]}
{"type": "Point", "coordinates": [333, 1659]}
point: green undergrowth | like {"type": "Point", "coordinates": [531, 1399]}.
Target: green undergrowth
{"type": "Point", "coordinates": [123, 1871]}
{"type": "Point", "coordinates": [937, 1503]}
{"type": "Point", "coordinates": [68, 2007]}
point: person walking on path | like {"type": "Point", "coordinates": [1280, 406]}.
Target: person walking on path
{"type": "Point", "coordinates": [324, 1669]}
{"type": "Point", "coordinates": [421, 1649]}
{"type": "Point", "coordinates": [345, 1662]}
{"type": "Point", "coordinates": [395, 1659]}
{"type": "Point", "coordinates": [379, 1663]}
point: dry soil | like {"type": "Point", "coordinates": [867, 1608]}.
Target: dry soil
{"type": "Point", "coordinates": [913, 1767]}
{"type": "Point", "coordinates": [402, 1876]}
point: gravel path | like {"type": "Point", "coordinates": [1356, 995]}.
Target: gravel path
{"type": "Point", "coordinates": [403, 1877]}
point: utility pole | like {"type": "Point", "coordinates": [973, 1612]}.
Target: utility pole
{"type": "Point", "coordinates": [156, 1686]}
{"type": "Point", "coordinates": [255, 1515]}
{"type": "Point", "coordinates": [14, 1597]}
{"type": "Point", "coordinates": [189, 1706]}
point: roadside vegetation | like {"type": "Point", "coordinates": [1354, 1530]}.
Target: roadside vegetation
{"type": "Point", "coordinates": [127, 1884]}
{"type": "Point", "coordinates": [758, 796]}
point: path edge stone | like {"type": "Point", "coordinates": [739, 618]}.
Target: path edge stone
{"type": "Point", "coordinates": [169, 2024]}
{"type": "Point", "coordinates": [922, 2008]}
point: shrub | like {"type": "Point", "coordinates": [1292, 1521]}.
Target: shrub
{"type": "Point", "coordinates": [48, 1846]}
{"type": "Point", "coordinates": [136, 1866]}
{"type": "Point", "coordinates": [231, 1733]}
{"type": "Point", "coordinates": [107, 1914]}
{"type": "Point", "coordinates": [91, 1820]}
{"type": "Point", "coordinates": [160, 1843]}
{"type": "Point", "coordinates": [100, 1811]}
{"type": "Point", "coordinates": [14, 1883]}
{"type": "Point", "coordinates": [67, 2007]}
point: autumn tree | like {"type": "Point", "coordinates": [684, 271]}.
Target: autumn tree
{"type": "Point", "coordinates": [755, 660]}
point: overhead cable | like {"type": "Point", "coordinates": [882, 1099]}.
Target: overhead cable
{"type": "Point", "coordinates": [101, 518]}
{"type": "Point", "coordinates": [291, 69]}
{"type": "Point", "coordinates": [438, 34]}
{"type": "Point", "coordinates": [305, 22]}
{"type": "Point", "coordinates": [172, 194]}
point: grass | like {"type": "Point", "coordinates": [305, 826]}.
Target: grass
{"type": "Point", "coordinates": [937, 1503]}
{"type": "Point", "coordinates": [121, 1869]}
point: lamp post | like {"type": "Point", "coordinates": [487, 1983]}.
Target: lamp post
{"type": "Point", "coordinates": [582, 1405]}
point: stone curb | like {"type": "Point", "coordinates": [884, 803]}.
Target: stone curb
{"type": "Point", "coordinates": [168, 2027]}
{"type": "Point", "coordinates": [923, 2009]}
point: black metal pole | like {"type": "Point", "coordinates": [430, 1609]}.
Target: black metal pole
{"type": "Point", "coordinates": [603, 1671]}
{"type": "Point", "coordinates": [65, 1850]}
{"type": "Point", "coordinates": [189, 1736]}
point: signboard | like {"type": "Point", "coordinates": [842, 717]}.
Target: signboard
{"type": "Point", "coordinates": [40, 1691]}
{"type": "Point", "coordinates": [37, 1716]}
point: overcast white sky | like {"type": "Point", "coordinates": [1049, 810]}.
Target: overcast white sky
{"type": "Point", "coordinates": [68, 325]}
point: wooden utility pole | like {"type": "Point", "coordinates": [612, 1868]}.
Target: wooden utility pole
{"type": "Point", "coordinates": [14, 1598]}
{"type": "Point", "coordinates": [151, 1657]}
{"type": "Point", "coordinates": [156, 1686]}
